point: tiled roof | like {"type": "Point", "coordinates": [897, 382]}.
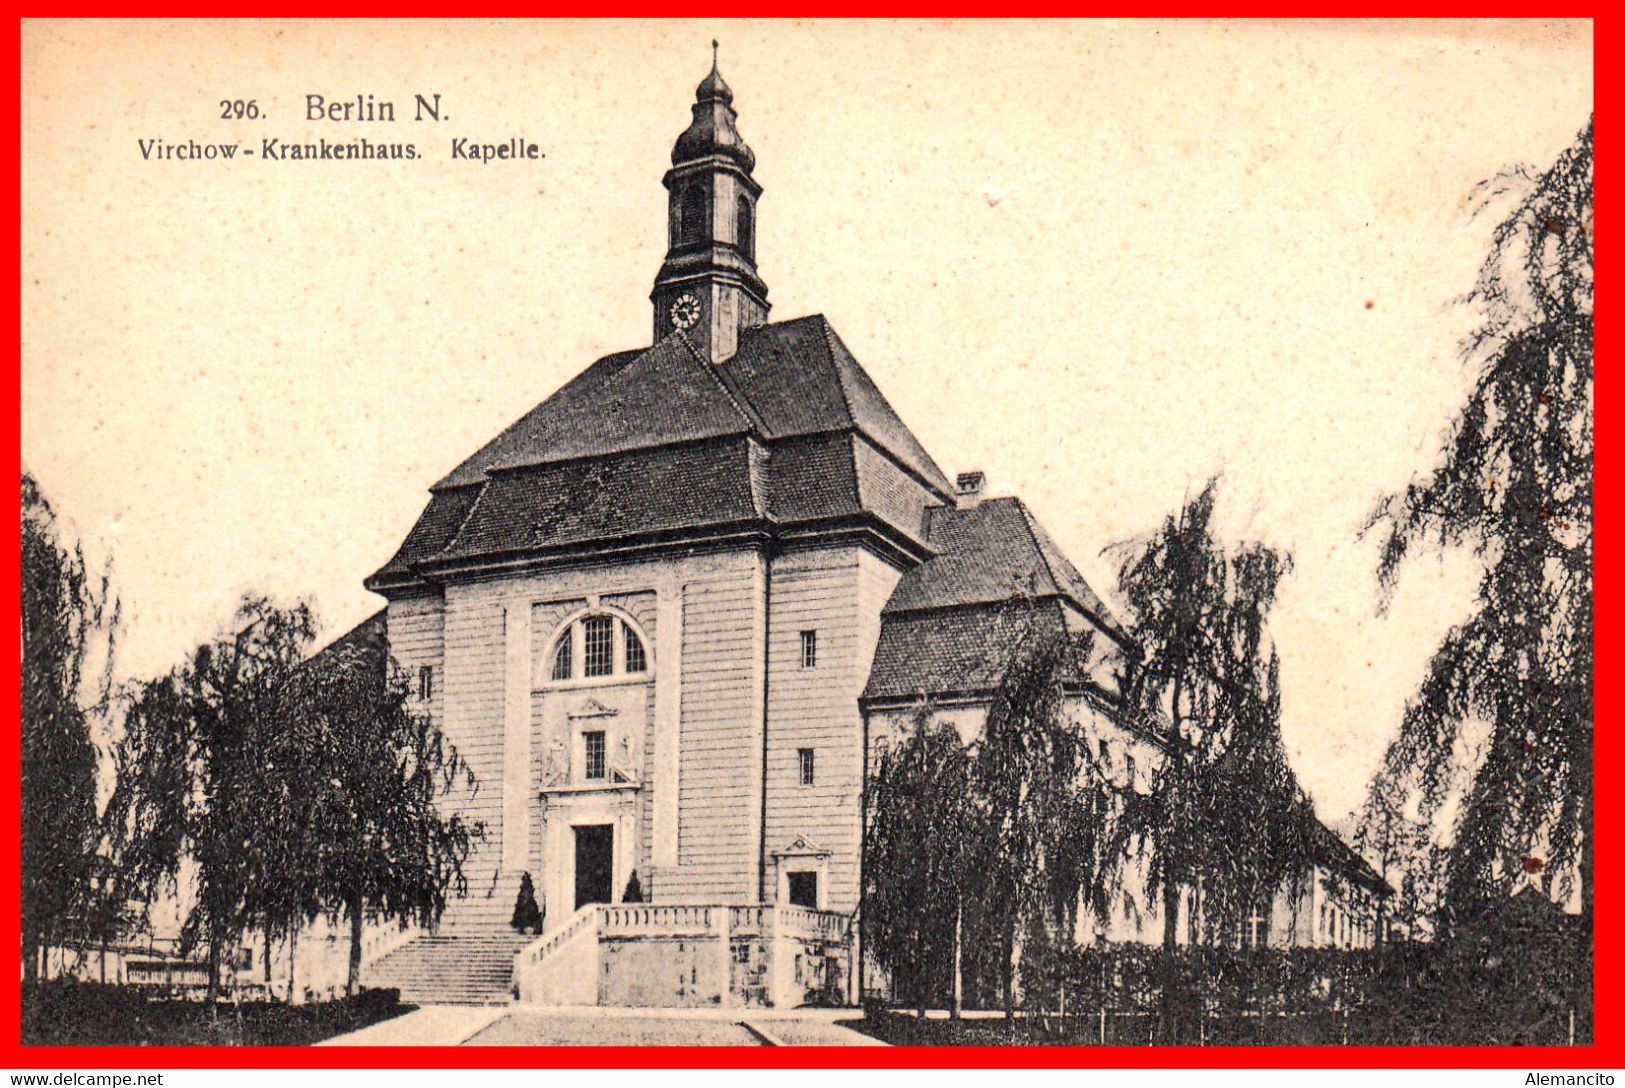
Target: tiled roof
{"type": "Point", "coordinates": [369, 637]}
{"type": "Point", "coordinates": [645, 491]}
{"type": "Point", "coordinates": [792, 378]}
{"type": "Point", "coordinates": [954, 623]}
{"type": "Point", "coordinates": [435, 528]}
{"type": "Point", "coordinates": [813, 476]}
{"type": "Point", "coordinates": [1329, 849]}
{"type": "Point", "coordinates": [801, 379]}
{"type": "Point", "coordinates": [660, 440]}
{"type": "Point", "coordinates": [1065, 575]}
{"type": "Point", "coordinates": [632, 400]}
{"type": "Point", "coordinates": [962, 650]}
{"type": "Point", "coordinates": [992, 551]}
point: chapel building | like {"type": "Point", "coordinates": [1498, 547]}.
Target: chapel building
{"type": "Point", "coordinates": [670, 615]}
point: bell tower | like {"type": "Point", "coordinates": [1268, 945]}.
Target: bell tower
{"type": "Point", "coordinates": [708, 287]}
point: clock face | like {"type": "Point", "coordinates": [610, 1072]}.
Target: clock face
{"type": "Point", "coordinates": [685, 311]}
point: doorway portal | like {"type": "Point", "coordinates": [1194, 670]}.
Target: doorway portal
{"type": "Point", "coordinates": [595, 864]}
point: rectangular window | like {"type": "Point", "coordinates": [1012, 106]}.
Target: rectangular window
{"type": "Point", "coordinates": [803, 890]}
{"type": "Point", "coordinates": [598, 649]}
{"type": "Point", "coordinates": [1258, 929]}
{"type": "Point", "coordinates": [426, 682]}
{"type": "Point", "coordinates": [804, 759]}
{"type": "Point", "coordinates": [809, 649]}
{"type": "Point", "coordinates": [593, 756]}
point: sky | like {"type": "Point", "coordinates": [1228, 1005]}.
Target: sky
{"type": "Point", "coordinates": [1099, 262]}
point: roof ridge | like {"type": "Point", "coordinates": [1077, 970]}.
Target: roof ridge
{"type": "Point", "coordinates": [1093, 604]}
{"type": "Point", "coordinates": [714, 373]}
{"type": "Point", "coordinates": [600, 370]}
{"type": "Point", "coordinates": [740, 402]}
{"type": "Point", "coordinates": [452, 541]}
{"type": "Point", "coordinates": [1028, 520]}
{"type": "Point", "coordinates": [871, 388]}
{"type": "Point", "coordinates": [380, 614]}
{"type": "Point", "coordinates": [829, 355]}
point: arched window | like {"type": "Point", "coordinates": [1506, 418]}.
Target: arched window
{"type": "Point", "coordinates": [635, 660]}
{"type": "Point", "coordinates": [596, 646]}
{"type": "Point", "coordinates": [692, 221]}
{"type": "Point", "coordinates": [745, 229]}
{"type": "Point", "coordinates": [562, 663]}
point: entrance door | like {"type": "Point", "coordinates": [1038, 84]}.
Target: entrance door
{"type": "Point", "coordinates": [595, 864]}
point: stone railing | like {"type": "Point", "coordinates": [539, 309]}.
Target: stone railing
{"type": "Point", "coordinates": [755, 919]}
{"type": "Point", "coordinates": [811, 925]}
{"type": "Point", "coordinates": [615, 953]}
{"type": "Point", "coordinates": [380, 940]}
{"type": "Point", "coordinates": [658, 920]}
{"type": "Point", "coordinates": [561, 968]}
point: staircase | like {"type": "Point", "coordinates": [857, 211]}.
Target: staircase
{"type": "Point", "coordinates": [465, 969]}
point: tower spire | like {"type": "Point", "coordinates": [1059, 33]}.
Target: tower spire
{"type": "Point", "coordinates": [708, 286]}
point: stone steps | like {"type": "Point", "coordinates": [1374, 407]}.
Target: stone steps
{"type": "Point", "coordinates": [462, 969]}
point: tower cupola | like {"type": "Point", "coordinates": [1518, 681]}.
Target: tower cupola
{"type": "Point", "coordinates": [708, 287]}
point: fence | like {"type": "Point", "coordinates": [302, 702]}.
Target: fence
{"type": "Point", "coordinates": [1413, 994]}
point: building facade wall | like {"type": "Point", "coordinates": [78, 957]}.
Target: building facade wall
{"type": "Point", "coordinates": [834, 595]}
{"type": "Point", "coordinates": [688, 731]}
{"type": "Point", "coordinates": [719, 776]}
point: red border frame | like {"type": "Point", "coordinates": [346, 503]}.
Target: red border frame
{"type": "Point", "coordinates": [1608, 942]}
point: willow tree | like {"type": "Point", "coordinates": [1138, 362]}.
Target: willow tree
{"type": "Point", "coordinates": [918, 859]}
{"type": "Point", "coordinates": [1514, 485]}
{"type": "Point", "coordinates": [371, 771]}
{"type": "Point", "coordinates": [1048, 843]}
{"type": "Point", "coordinates": [70, 621]}
{"type": "Point", "coordinates": [1405, 851]}
{"type": "Point", "coordinates": [195, 772]}
{"type": "Point", "coordinates": [1224, 816]}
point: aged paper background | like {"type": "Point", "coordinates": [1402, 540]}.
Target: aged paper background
{"type": "Point", "coordinates": [1099, 261]}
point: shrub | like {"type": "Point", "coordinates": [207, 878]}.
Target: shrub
{"type": "Point", "coordinates": [527, 916]}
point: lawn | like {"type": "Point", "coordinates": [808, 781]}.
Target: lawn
{"type": "Point", "coordinates": [60, 1013]}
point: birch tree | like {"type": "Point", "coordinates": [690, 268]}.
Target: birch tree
{"type": "Point", "coordinates": [917, 861]}
{"type": "Point", "coordinates": [1514, 486]}
{"type": "Point", "coordinates": [70, 624]}
{"type": "Point", "coordinates": [194, 780]}
{"type": "Point", "coordinates": [1225, 816]}
{"type": "Point", "coordinates": [374, 770]}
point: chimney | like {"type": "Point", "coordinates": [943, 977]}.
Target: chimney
{"type": "Point", "coordinates": [968, 488]}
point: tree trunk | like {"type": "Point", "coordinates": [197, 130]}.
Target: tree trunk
{"type": "Point", "coordinates": [213, 994]}
{"type": "Point", "coordinates": [293, 947]}
{"type": "Point", "coordinates": [1170, 945]}
{"type": "Point", "coordinates": [31, 953]}
{"type": "Point", "coordinates": [958, 1009]}
{"type": "Point", "coordinates": [1588, 857]}
{"type": "Point", "coordinates": [1014, 969]}
{"type": "Point", "coordinates": [352, 984]}
{"type": "Point", "coordinates": [1170, 885]}
{"type": "Point", "coordinates": [1008, 994]}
